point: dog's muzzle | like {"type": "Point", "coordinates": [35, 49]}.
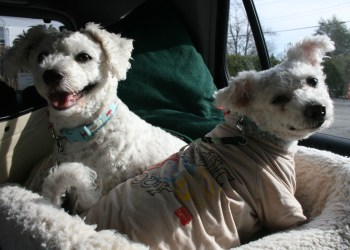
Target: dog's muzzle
{"type": "Point", "coordinates": [58, 98]}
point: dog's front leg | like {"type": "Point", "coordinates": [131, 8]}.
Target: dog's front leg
{"type": "Point", "coordinates": [75, 179]}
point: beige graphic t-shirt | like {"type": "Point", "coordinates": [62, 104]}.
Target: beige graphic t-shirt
{"type": "Point", "coordinates": [209, 196]}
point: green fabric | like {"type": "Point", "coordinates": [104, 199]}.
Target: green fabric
{"type": "Point", "coordinates": [169, 84]}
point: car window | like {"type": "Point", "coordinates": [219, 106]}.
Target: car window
{"type": "Point", "coordinates": [241, 50]}
{"type": "Point", "coordinates": [285, 22]}
{"type": "Point", "coordinates": [10, 28]}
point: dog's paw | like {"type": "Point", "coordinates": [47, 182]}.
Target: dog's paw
{"type": "Point", "coordinates": [75, 179]}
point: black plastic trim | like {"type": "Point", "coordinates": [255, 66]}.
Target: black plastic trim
{"type": "Point", "coordinates": [221, 73]}
{"type": "Point", "coordinates": [335, 144]}
{"type": "Point", "coordinates": [257, 33]}
{"type": "Point", "coordinates": [20, 113]}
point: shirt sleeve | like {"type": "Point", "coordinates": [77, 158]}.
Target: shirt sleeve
{"type": "Point", "coordinates": [277, 207]}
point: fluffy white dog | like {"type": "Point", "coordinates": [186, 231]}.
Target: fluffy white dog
{"type": "Point", "coordinates": [240, 178]}
{"type": "Point", "coordinates": [100, 143]}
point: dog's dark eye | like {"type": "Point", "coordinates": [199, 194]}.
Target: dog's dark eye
{"type": "Point", "coordinates": [280, 99]}
{"type": "Point", "coordinates": [41, 56]}
{"type": "Point", "coordinates": [83, 57]}
{"type": "Point", "coordinates": [312, 81]}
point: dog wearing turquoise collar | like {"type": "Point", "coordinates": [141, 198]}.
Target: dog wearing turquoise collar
{"type": "Point", "coordinates": [99, 141]}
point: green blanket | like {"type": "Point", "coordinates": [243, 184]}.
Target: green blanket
{"type": "Point", "coordinates": [169, 84]}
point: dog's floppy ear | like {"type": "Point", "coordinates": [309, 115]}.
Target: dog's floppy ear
{"type": "Point", "coordinates": [238, 93]}
{"type": "Point", "coordinates": [311, 50]}
{"type": "Point", "coordinates": [117, 49]}
{"type": "Point", "coordinates": [18, 55]}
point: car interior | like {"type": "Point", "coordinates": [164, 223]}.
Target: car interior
{"type": "Point", "coordinates": [179, 61]}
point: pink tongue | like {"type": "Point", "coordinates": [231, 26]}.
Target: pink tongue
{"type": "Point", "coordinates": [63, 100]}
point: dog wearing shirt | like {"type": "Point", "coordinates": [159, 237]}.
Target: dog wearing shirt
{"type": "Point", "coordinates": [239, 179]}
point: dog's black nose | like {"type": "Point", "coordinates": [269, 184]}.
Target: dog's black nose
{"type": "Point", "coordinates": [52, 77]}
{"type": "Point", "coordinates": [316, 112]}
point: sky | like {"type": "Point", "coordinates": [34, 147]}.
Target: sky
{"type": "Point", "coordinates": [294, 19]}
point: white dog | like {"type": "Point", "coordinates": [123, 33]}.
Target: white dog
{"type": "Point", "coordinates": [224, 188]}
{"type": "Point", "coordinates": [100, 143]}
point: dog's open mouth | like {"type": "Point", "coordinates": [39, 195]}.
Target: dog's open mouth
{"type": "Point", "coordinates": [66, 100]}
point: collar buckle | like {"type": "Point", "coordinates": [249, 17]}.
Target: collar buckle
{"type": "Point", "coordinates": [85, 132]}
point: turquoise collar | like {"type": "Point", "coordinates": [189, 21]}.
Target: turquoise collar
{"type": "Point", "coordinates": [85, 132]}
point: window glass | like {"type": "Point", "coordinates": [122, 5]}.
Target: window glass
{"type": "Point", "coordinates": [241, 50]}
{"type": "Point", "coordinates": [285, 22]}
{"type": "Point", "coordinates": [10, 28]}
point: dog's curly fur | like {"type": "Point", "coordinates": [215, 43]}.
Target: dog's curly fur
{"type": "Point", "coordinates": [288, 102]}
{"type": "Point", "coordinates": [78, 73]}
{"type": "Point", "coordinates": [224, 189]}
